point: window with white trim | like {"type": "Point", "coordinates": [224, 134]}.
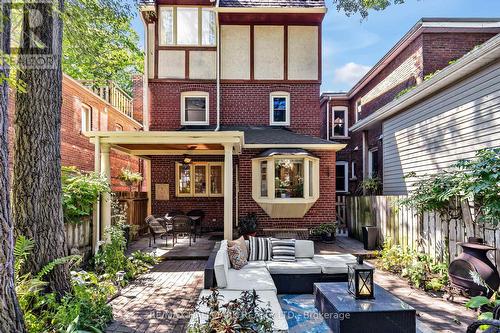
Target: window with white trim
{"type": "Point", "coordinates": [341, 176]}
{"type": "Point", "coordinates": [186, 26]}
{"type": "Point", "coordinates": [199, 179]}
{"type": "Point", "coordinates": [358, 110]}
{"type": "Point", "coordinates": [353, 171]}
{"type": "Point", "coordinates": [340, 122]}
{"type": "Point", "coordinates": [279, 106]}
{"type": "Point", "coordinates": [373, 163]}
{"type": "Point", "coordinates": [86, 118]}
{"type": "Point", "coordinates": [194, 108]}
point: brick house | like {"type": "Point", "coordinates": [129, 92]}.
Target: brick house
{"type": "Point", "coordinates": [429, 46]}
{"type": "Point", "coordinates": [83, 110]}
{"type": "Point", "coordinates": [232, 113]}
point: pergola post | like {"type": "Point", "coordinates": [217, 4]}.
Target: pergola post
{"type": "Point", "coordinates": [106, 197]}
{"type": "Point", "coordinates": [96, 220]}
{"type": "Point", "coordinates": [228, 191]}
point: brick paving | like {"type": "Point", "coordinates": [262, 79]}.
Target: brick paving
{"type": "Point", "coordinates": [161, 301]}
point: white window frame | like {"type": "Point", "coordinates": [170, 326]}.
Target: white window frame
{"type": "Point", "coordinates": [187, 94]}
{"type": "Point", "coordinates": [346, 121]}
{"type": "Point", "coordinates": [86, 115]}
{"type": "Point", "coordinates": [174, 26]}
{"type": "Point", "coordinates": [192, 193]}
{"type": "Point", "coordinates": [279, 94]}
{"type": "Point", "coordinates": [358, 107]}
{"type": "Point", "coordinates": [346, 176]}
{"type": "Point", "coordinates": [370, 161]}
{"type": "Point", "coordinates": [353, 170]}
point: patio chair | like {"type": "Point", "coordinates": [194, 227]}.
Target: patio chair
{"type": "Point", "coordinates": [198, 223]}
{"type": "Point", "coordinates": [182, 224]}
{"type": "Point", "coordinates": [494, 324]}
{"type": "Point", "coordinates": [174, 213]}
{"type": "Point", "coordinates": [156, 229]}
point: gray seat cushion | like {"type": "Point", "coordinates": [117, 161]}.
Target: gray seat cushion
{"type": "Point", "coordinates": [301, 266]}
{"type": "Point", "coordinates": [304, 248]}
{"type": "Point", "coordinates": [249, 278]}
{"type": "Point", "coordinates": [334, 263]}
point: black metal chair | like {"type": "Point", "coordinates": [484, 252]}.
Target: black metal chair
{"type": "Point", "coordinates": [174, 213]}
{"type": "Point", "coordinates": [198, 223]}
{"type": "Point", "coordinates": [182, 224]}
{"type": "Point", "coordinates": [494, 324]}
{"type": "Point", "coordinates": [156, 229]}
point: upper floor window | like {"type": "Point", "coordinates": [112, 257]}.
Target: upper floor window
{"type": "Point", "coordinates": [194, 108]}
{"type": "Point", "coordinates": [191, 26]}
{"type": "Point", "coordinates": [280, 108]}
{"type": "Point", "coordinates": [358, 110]}
{"type": "Point", "coordinates": [340, 123]}
{"type": "Point", "coordinates": [86, 118]}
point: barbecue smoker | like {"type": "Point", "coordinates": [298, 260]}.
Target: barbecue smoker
{"type": "Point", "coordinates": [473, 258]}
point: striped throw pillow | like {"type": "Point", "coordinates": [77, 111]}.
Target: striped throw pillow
{"type": "Point", "coordinates": [260, 248]}
{"type": "Point", "coordinates": [283, 249]}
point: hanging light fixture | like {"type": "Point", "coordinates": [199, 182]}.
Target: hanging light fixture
{"type": "Point", "coordinates": [186, 159]}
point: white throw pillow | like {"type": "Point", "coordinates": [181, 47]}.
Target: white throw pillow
{"type": "Point", "coordinates": [221, 265]}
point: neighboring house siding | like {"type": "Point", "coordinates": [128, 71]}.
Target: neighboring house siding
{"type": "Point", "coordinates": [442, 129]}
{"type": "Point", "coordinates": [76, 149]}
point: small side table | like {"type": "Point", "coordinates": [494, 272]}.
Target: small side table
{"type": "Point", "coordinates": [343, 313]}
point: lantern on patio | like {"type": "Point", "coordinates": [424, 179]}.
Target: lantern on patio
{"type": "Point", "coordinates": [360, 279]}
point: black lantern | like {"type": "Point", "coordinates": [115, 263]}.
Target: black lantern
{"type": "Point", "coordinates": [360, 279]}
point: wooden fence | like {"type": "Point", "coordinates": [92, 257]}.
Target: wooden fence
{"type": "Point", "coordinates": [427, 233]}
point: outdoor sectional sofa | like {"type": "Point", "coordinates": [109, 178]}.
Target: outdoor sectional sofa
{"type": "Point", "coordinates": [270, 278]}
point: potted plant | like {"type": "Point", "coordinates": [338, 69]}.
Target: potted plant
{"type": "Point", "coordinates": [326, 231]}
{"type": "Point", "coordinates": [248, 225]}
{"type": "Point", "coordinates": [130, 178]}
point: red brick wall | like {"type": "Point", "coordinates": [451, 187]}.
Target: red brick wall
{"type": "Point", "coordinates": [137, 94]}
{"type": "Point", "coordinates": [241, 104]}
{"type": "Point", "coordinates": [76, 149]}
{"type": "Point", "coordinates": [163, 171]}
{"type": "Point", "coordinates": [440, 48]}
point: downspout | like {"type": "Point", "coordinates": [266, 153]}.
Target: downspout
{"type": "Point", "coordinates": [145, 99]}
{"type": "Point", "coordinates": [328, 118]}
{"type": "Point", "coordinates": [217, 65]}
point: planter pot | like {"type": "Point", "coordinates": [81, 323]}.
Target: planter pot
{"type": "Point", "coordinates": [329, 237]}
{"type": "Point", "coordinates": [126, 234]}
{"type": "Point", "coordinates": [250, 234]}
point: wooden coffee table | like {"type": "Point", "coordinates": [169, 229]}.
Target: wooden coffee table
{"type": "Point", "coordinates": [343, 313]}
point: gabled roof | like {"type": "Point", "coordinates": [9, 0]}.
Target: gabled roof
{"type": "Point", "coordinates": [272, 3]}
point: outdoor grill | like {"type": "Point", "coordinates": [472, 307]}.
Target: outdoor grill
{"type": "Point", "coordinates": [473, 258]}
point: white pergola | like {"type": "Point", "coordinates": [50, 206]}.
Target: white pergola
{"type": "Point", "coordinates": [145, 144]}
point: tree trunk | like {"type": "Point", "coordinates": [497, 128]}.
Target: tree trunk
{"type": "Point", "coordinates": [11, 318]}
{"type": "Point", "coordinates": [37, 192]}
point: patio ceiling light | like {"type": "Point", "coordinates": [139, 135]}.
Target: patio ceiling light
{"type": "Point", "coordinates": [186, 160]}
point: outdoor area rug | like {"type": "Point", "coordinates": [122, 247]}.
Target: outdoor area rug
{"type": "Point", "coordinates": [301, 315]}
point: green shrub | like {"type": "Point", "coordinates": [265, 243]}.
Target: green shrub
{"type": "Point", "coordinates": [420, 269]}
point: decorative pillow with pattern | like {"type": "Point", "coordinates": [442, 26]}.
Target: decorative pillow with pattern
{"type": "Point", "coordinates": [241, 242]}
{"type": "Point", "coordinates": [236, 256]}
{"type": "Point", "coordinates": [260, 249]}
{"type": "Point", "coordinates": [283, 249]}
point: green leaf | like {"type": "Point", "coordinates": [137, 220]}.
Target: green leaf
{"type": "Point", "coordinates": [477, 302]}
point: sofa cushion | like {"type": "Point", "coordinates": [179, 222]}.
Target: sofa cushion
{"type": "Point", "coordinates": [242, 243]}
{"type": "Point", "coordinates": [221, 265]}
{"type": "Point", "coordinates": [334, 263]}
{"type": "Point", "coordinates": [237, 256]}
{"type": "Point", "coordinates": [283, 249]}
{"type": "Point", "coordinates": [266, 297]}
{"type": "Point", "coordinates": [256, 264]}
{"type": "Point", "coordinates": [260, 248]}
{"type": "Point", "coordinates": [304, 248]}
{"type": "Point", "coordinates": [249, 278]}
{"type": "Point", "coordinates": [301, 266]}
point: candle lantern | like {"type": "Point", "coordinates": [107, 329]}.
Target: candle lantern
{"type": "Point", "coordinates": [360, 279]}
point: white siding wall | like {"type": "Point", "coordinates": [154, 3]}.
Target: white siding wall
{"type": "Point", "coordinates": [442, 129]}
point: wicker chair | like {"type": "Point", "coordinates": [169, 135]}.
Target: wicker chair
{"type": "Point", "coordinates": [181, 224]}
{"type": "Point", "coordinates": [494, 324]}
{"type": "Point", "coordinates": [198, 224]}
{"type": "Point", "coordinates": [174, 213]}
{"type": "Point", "coordinates": [155, 229]}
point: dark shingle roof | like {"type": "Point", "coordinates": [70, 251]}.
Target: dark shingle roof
{"type": "Point", "coordinates": [274, 135]}
{"type": "Point", "coordinates": [272, 3]}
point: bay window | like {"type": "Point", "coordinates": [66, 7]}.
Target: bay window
{"type": "Point", "coordinates": [285, 185]}
{"type": "Point", "coordinates": [199, 179]}
{"type": "Point", "coordinates": [186, 26]}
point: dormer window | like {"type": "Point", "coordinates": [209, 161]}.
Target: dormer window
{"type": "Point", "coordinates": [280, 109]}
{"type": "Point", "coordinates": [186, 26]}
{"type": "Point", "coordinates": [194, 108]}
